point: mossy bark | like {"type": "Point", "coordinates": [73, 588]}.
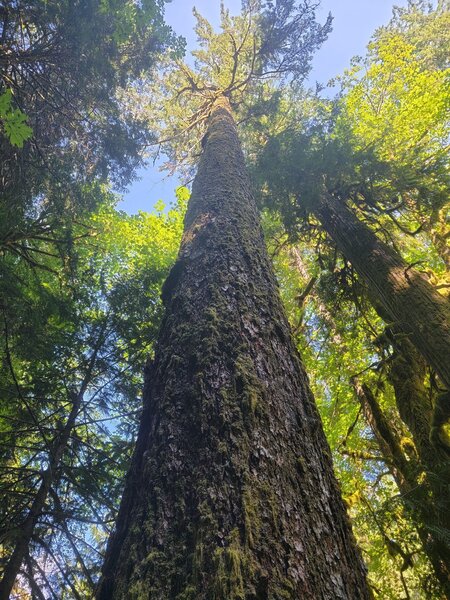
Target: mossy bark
{"type": "Point", "coordinates": [407, 371]}
{"type": "Point", "coordinates": [410, 301]}
{"type": "Point", "coordinates": [231, 494]}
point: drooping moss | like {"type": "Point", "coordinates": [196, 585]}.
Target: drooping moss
{"type": "Point", "coordinates": [250, 502]}
{"type": "Point", "coordinates": [231, 564]}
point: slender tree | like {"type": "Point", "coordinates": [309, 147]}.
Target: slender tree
{"type": "Point", "coordinates": [419, 469]}
{"type": "Point", "coordinates": [407, 474]}
{"type": "Point", "coordinates": [231, 493]}
{"type": "Point", "coordinates": [62, 135]}
{"type": "Point", "coordinates": [58, 447]}
{"type": "Point", "coordinates": [410, 303]}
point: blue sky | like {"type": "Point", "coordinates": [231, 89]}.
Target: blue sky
{"type": "Point", "coordinates": [353, 24]}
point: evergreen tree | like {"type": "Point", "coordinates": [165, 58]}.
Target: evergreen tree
{"type": "Point", "coordinates": [370, 170]}
{"type": "Point", "coordinates": [231, 493]}
{"type": "Point", "coordinates": [62, 67]}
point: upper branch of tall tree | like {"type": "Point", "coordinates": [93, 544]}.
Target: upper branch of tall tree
{"type": "Point", "coordinates": [248, 60]}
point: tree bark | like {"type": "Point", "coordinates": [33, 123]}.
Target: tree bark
{"type": "Point", "coordinates": [408, 298]}
{"type": "Point", "coordinates": [406, 372]}
{"type": "Point", "coordinates": [387, 440]}
{"type": "Point", "coordinates": [231, 492]}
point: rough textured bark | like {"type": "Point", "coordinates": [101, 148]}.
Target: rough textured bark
{"type": "Point", "coordinates": [231, 493]}
{"type": "Point", "coordinates": [386, 438]}
{"type": "Point", "coordinates": [414, 488]}
{"type": "Point", "coordinates": [409, 299]}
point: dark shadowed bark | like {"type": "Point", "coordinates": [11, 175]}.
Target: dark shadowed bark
{"type": "Point", "coordinates": [410, 301]}
{"type": "Point", "coordinates": [407, 372]}
{"type": "Point", "coordinates": [231, 493]}
{"type": "Point", "coordinates": [385, 436]}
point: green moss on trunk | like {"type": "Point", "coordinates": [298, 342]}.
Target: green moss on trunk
{"type": "Point", "coordinates": [215, 506]}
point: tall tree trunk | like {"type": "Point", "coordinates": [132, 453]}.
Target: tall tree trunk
{"type": "Point", "coordinates": [406, 373]}
{"type": "Point", "coordinates": [387, 440]}
{"type": "Point", "coordinates": [405, 294]}
{"type": "Point", "coordinates": [414, 490]}
{"type": "Point", "coordinates": [231, 493]}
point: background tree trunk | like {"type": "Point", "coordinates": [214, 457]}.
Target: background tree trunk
{"type": "Point", "coordinates": [405, 294]}
{"type": "Point", "coordinates": [415, 490]}
{"type": "Point", "coordinates": [406, 372]}
{"type": "Point", "coordinates": [231, 493]}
